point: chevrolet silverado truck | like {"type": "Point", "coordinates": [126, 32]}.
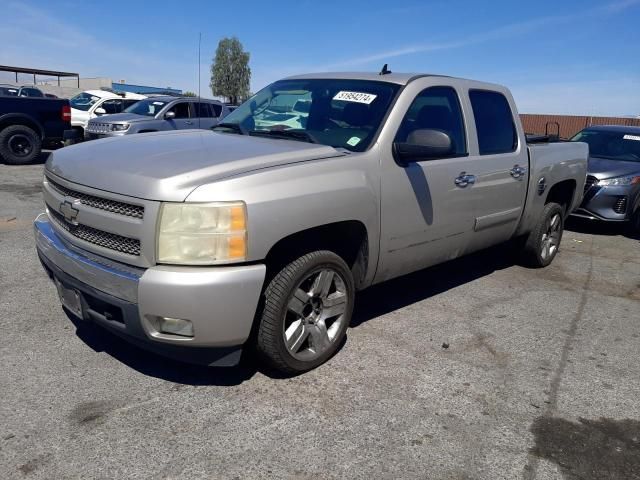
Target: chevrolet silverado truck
{"type": "Point", "coordinates": [197, 243]}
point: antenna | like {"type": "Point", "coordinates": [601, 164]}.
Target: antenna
{"type": "Point", "coordinates": [199, 99]}
{"type": "Point", "coordinates": [385, 70]}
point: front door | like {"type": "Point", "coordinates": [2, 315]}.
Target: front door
{"type": "Point", "coordinates": [425, 217]}
{"type": "Point", "coordinates": [183, 118]}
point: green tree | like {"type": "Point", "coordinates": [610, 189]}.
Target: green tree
{"type": "Point", "coordinates": [189, 93]}
{"type": "Point", "coordinates": [230, 72]}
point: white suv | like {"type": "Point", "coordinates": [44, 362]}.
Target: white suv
{"type": "Point", "coordinates": [93, 103]}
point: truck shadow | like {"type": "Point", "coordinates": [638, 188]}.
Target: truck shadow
{"type": "Point", "coordinates": [371, 303]}
{"type": "Point", "coordinates": [101, 340]}
{"type": "Point", "coordinates": [415, 287]}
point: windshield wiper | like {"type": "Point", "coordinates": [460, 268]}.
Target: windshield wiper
{"type": "Point", "coordinates": [286, 135]}
{"type": "Point", "coordinates": [231, 126]}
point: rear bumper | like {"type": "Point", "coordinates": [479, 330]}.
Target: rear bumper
{"type": "Point", "coordinates": [220, 302]}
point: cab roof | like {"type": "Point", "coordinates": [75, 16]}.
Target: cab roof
{"type": "Point", "coordinates": [398, 78]}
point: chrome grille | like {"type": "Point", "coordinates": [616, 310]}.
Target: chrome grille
{"type": "Point", "coordinates": [95, 127]}
{"type": "Point", "coordinates": [112, 241]}
{"type": "Point", "coordinates": [113, 206]}
{"type": "Point", "coordinates": [591, 181]}
{"type": "Point", "coordinates": [621, 205]}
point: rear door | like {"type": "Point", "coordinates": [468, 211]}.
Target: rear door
{"type": "Point", "coordinates": [498, 164]}
{"type": "Point", "coordinates": [204, 115]}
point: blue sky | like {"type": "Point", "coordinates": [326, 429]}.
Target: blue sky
{"type": "Point", "coordinates": [570, 56]}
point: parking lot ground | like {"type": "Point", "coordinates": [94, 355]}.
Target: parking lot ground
{"type": "Point", "coordinates": [476, 369]}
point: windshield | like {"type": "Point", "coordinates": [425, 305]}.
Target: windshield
{"type": "Point", "coordinates": [338, 113]}
{"type": "Point", "coordinates": [148, 108]}
{"type": "Point", "coordinates": [83, 101]}
{"type": "Point", "coordinates": [612, 145]}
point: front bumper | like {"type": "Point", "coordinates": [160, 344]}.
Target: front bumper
{"type": "Point", "coordinates": [608, 203]}
{"type": "Point", "coordinates": [220, 301]}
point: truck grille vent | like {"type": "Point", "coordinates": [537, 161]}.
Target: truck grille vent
{"type": "Point", "coordinates": [113, 206]}
{"type": "Point", "coordinates": [621, 205]}
{"type": "Point", "coordinates": [591, 181]}
{"type": "Point", "coordinates": [130, 246]}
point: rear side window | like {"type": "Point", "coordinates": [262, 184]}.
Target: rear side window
{"type": "Point", "coordinates": [494, 122]}
{"type": "Point", "coordinates": [436, 108]}
{"type": "Point", "coordinates": [202, 110]}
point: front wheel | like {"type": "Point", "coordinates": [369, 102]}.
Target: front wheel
{"type": "Point", "coordinates": [307, 309]}
{"type": "Point", "coordinates": [543, 242]}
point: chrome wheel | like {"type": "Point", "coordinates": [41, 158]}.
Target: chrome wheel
{"type": "Point", "coordinates": [551, 237]}
{"type": "Point", "coordinates": [315, 314]}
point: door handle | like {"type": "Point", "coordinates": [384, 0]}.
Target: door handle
{"type": "Point", "coordinates": [518, 172]}
{"type": "Point", "coordinates": [463, 180]}
{"type": "Point", "coordinates": [188, 122]}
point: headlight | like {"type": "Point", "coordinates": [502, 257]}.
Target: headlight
{"type": "Point", "coordinates": [119, 127]}
{"type": "Point", "coordinates": [202, 233]}
{"type": "Point", "coordinates": [627, 180]}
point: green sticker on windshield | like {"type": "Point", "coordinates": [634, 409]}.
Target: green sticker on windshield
{"type": "Point", "coordinates": [353, 141]}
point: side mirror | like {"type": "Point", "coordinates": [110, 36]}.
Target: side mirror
{"type": "Point", "coordinates": [423, 144]}
{"type": "Point", "coordinates": [170, 115]}
{"type": "Point", "coordinates": [100, 111]}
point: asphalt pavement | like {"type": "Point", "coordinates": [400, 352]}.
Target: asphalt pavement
{"type": "Point", "coordinates": [476, 369]}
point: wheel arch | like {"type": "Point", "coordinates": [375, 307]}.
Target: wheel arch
{"type": "Point", "coordinates": [348, 239]}
{"type": "Point", "coordinates": [563, 194]}
{"type": "Point", "coordinates": [21, 119]}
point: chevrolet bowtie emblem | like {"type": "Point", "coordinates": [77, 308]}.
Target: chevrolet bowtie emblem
{"type": "Point", "coordinates": [69, 211]}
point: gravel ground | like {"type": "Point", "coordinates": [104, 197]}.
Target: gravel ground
{"type": "Point", "coordinates": [477, 369]}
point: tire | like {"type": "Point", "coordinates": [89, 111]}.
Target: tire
{"type": "Point", "coordinates": [543, 242]}
{"type": "Point", "coordinates": [307, 309]}
{"type": "Point", "coordinates": [19, 145]}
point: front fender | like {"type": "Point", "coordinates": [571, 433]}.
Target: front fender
{"type": "Point", "coordinates": [285, 200]}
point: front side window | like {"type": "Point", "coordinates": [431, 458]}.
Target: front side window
{"type": "Point", "coordinates": [112, 106]}
{"type": "Point", "coordinates": [181, 110]}
{"type": "Point", "coordinates": [436, 108]}
{"type": "Point", "coordinates": [336, 112]}
{"type": "Point", "coordinates": [494, 122]}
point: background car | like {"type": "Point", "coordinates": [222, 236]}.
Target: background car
{"type": "Point", "coordinates": [612, 190]}
{"type": "Point", "coordinates": [20, 91]}
{"type": "Point", "coordinates": [157, 114]}
{"type": "Point", "coordinates": [94, 103]}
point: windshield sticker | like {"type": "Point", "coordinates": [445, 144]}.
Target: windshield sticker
{"type": "Point", "coordinates": [632, 137]}
{"type": "Point", "coordinates": [353, 141]}
{"type": "Point", "coordinates": [358, 97]}
{"type": "Point", "coordinates": [158, 103]}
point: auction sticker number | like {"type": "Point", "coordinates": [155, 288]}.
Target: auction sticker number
{"type": "Point", "coordinates": [358, 97]}
{"type": "Point", "coordinates": [632, 137]}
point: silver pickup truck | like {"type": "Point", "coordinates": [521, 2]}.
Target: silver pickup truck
{"type": "Point", "coordinates": [197, 243]}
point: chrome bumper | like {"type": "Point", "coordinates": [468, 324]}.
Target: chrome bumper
{"type": "Point", "coordinates": [220, 301]}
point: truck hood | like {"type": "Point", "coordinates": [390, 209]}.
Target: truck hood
{"type": "Point", "coordinates": [168, 166]}
{"type": "Point", "coordinates": [122, 118]}
{"type": "Point", "coordinates": [607, 168]}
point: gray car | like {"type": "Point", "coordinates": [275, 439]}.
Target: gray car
{"type": "Point", "coordinates": [157, 114]}
{"type": "Point", "coordinates": [612, 190]}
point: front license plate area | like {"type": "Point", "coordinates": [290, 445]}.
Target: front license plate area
{"type": "Point", "coordinates": [70, 299]}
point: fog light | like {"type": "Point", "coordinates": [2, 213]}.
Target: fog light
{"type": "Point", "coordinates": [175, 326]}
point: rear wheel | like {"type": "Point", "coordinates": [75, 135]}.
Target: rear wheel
{"type": "Point", "coordinates": [307, 310]}
{"type": "Point", "coordinates": [634, 224]}
{"type": "Point", "coordinates": [19, 144]}
{"type": "Point", "coordinates": [543, 242]}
